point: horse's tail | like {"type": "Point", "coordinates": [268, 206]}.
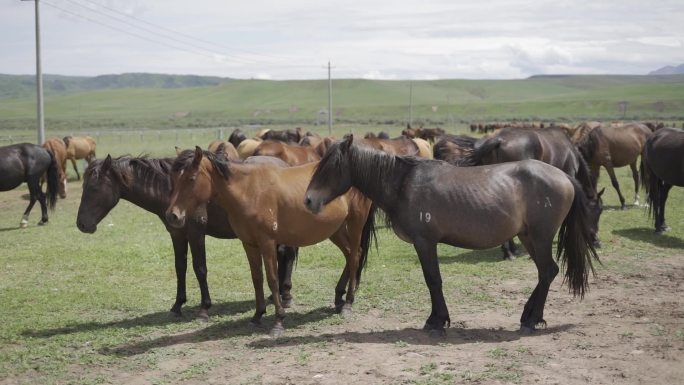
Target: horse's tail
{"type": "Point", "coordinates": [368, 234]}
{"type": "Point", "coordinates": [652, 185]}
{"type": "Point", "coordinates": [575, 246]}
{"type": "Point", "coordinates": [52, 181]}
{"type": "Point", "coordinates": [474, 158]}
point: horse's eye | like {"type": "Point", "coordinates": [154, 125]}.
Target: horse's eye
{"type": "Point", "coordinates": [193, 177]}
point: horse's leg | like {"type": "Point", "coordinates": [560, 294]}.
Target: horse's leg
{"type": "Point", "coordinates": [427, 254]}
{"type": "Point", "coordinates": [255, 263]}
{"type": "Point", "coordinates": [635, 176]}
{"type": "Point", "coordinates": [268, 254]}
{"type": "Point", "coordinates": [539, 248]}
{"type": "Point", "coordinates": [199, 266]}
{"type": "Point", "coordinates": [286, 258]}
{"type": "Point", "coordinates": [510, 250]}
{"type": "Point", "coordinates": [616, 185]}
{"type": "Point", "coordinates": [349, 243]}
{"type": "Point", "coordinates": [660, 225]}
{"type": "Point", "coordinates": [180, 252]}
{"type": "Point", "coordinates": [73, 163]}
{"type": "Point", "coordinates": [37, 192]}
{"type": "Point", "coordinates": [32, 201]}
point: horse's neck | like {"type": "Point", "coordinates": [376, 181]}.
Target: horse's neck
{"type": "Point", "coordinates": [381, 184]}
{"type": "Point", "coordinates": [150, 193]}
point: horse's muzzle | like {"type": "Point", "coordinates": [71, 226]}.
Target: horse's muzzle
{"type": "Point", "coordinates": [175, 218]}
{"type": "Point", "coordinates": [311, 204]}
{"type": "Point", "coordinates": [88, 229]}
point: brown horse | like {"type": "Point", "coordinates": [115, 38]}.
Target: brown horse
{"type": "Point", "coordinates": [612, 147]}
{"type": "Point", "coordinates": [246, 148]}
{"type": "Point", "coordinates": [58, 149]}
{"type": "Point", "coordinates": [427, 202]}
{"type": "Point", "coordinates": [292, 154]}
{"type": "Point", "coordinates": [662, 166]}
{"type": "Point", "coordinates": [398, 146]}
{"type": "Point", "coordinates": [265, 206]}
{"type": "Point", "coordinates": [79, 147]}
{"type": "Point", "coordinates": [225, 148]}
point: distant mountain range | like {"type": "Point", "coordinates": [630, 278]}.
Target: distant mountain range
{"type": "Point", "coordinates": [669, 70]}
{"type": "Point", "coordinates": [12, 86]}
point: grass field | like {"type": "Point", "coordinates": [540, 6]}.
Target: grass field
{"type": "Point", "coordinates": [356, 101]}
{"type": "Point", "coordinates": [90, 309]}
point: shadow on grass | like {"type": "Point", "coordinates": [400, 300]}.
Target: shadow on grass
{"type": "Point", "coordinates": [219, 331]}
{"type": "Point", "coordinates": [10, 229]}
{"type": "Point", "coordinates": [647, 235]}
{"type": "Point", "coordinates": [480, 256]}
{"type": "Point", "coordinates": [454, 336]}
{"type": "Point", "coordinates": [152, 319]}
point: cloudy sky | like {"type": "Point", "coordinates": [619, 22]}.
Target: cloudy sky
{"type": "Point", "coordinates": [375, 39]}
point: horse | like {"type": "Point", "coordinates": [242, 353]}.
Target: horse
{"type": "Point", "coordinates": [453, 148]}
{"type": "Point", "coordinates": [236, 137]}
{"type": "Point", "coordinates": [428, 202]}
{"type": "Point", "coordinates": [397, 146]}
{"type": "Point", "coordinates": [292, 154]}
{"type": "Point", "coordinates": [26, 162]}
{"type": "Point", "coordinates": [662, 166]}
{"type": "Point", "coordinates": [225, 147]}
{"type": "Point", "coordinates": [265, 206]}
{"type": "Point", "coordinates": [288, 136]}
{"type": "Point", "coordinates": [246, 148]}
{"type": "Point", "coordinates": [379, 135]}
{"type": "Point", "coordinates": [79, 147]}
{"type": "Point", "coordinates": [146, 182]}
{"type": "Point", "coordinates": [612, 147]}
{"type": "Point", "coordinates": [58, 149]}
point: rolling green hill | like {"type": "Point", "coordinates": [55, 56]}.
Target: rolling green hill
{"type": "Point", "coordinates": [146, 100]}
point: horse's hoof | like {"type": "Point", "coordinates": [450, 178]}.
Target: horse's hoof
{"type": "Point", "coordinates": [23, 224]}
{"type": "Point", "coordinates": [510, 258]}
{"type": "Point", "coordinates": [346, 311]}
{"type": "Point", "coordinates": [203, 315]}
{"type": "Point", "coordinates": [41, 223]}
{"type": "Point", "coordinates": [254, 323]}
{"type": "Point", "coordinates": [526, 330]}
{"type": "Point", "coordinates": [175, 313]}
{"type": "Point", "coordinates": [287, 303]}
{"type": "Point", "coordinates": [277, 331]}
{"type": "Point", "coordinates": [663, 230]}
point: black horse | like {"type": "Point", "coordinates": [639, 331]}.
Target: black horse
{"type": "Point", "coordinates": [287, 136]}
{"type": "Point", "coordinates": [662, 166]}
{"type": "Point", "coordinates": [428, 202]}
{"type": "Point", "coordinates": [236, 137]}
{"type": "Point", "coordinates": [26, 162]}
{"type": "Point", "coordinates": [146, 183]}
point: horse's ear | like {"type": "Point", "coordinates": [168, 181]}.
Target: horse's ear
{"type": "Point", "coordinates": [107, 163]}
{"type": "Point", "coordinates": [347, 142]}
{"type": "Point", "coordinates": [178, 150]}
{"type": "Point", "coordinates": [198, 157]}
{"type": "Point", "coordinates": [601, 192]}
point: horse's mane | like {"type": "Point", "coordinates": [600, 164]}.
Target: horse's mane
{"type": "Point", "coordinates": [146, 170]}
{"type": "Point", "coordinates": [218, 161]}
{"type": "Point", "coordinates": [587, 144]}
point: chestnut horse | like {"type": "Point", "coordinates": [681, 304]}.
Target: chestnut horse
{"type": "Point", "coordinates": [612, 147]}
{"type": "Point", "coordinates": [58, 149]}
{"type": "Point", "coordinates": [225, 148]}
{"type": "Point", "coordinates": [27, 162]}
{"type": "Point", "coordinates": [265, 206]}
{"type": "Point", "coordinates": [146, 182]}
{"type": "Point", "coordinates": [79, 147]}
{"type": "Point", "coordinates": [292, 154]}
{"type": "Point", "coordinates": [662, 166]}
{"type": "Point", "coordinates": [428, 202]}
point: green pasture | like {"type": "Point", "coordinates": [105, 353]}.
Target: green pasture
{"type": "Point", "coordinates": [442, 102]}
{"type": "Point", "coordinates": [76, 307]}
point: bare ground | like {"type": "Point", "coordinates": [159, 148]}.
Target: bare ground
{"type": "Point", "coordinates": [629, 329]}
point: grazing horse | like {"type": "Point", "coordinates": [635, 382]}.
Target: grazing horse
{"type": "Point", "coordinates": [225, 148]}
{"type": "Point", "coordinates": [292, 154]}
{"type": "Point", "coordinates": [612, 147]}
{"type": "Point", "coordinates": [146, 182]}
{"type": "Point", "coordinates": [79, 147]}
{"type": "Point", "coordinates": [265, 206]}
{"type": "Point", "coordinates": [58, 149]}
{"type": "Point", "coordinates": [662, 166]}
{"type": "Point", "coordinates": [428, 202]}
{"type": "Point", "coordinates": [26, 162]}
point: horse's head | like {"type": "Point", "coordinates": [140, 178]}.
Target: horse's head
{"type": "Point", "coordinates": [595, 208]}
{"type": "Point", "coordinates": [192, 188]}
{"type": "Point", "coordinates": [101, 192]}
{"type": "Point", "coordinates": [332, 177]}
{"type": "Point", "coordinates": [62, 185]}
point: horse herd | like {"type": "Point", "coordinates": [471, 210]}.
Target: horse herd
{"type": "Point", "coordinates": [286, 189]}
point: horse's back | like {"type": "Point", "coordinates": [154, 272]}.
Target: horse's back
{"type": "Point", "coordinates": [664, 154]}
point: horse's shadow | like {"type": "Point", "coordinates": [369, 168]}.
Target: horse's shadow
{"type": "Point", "coordinates": [218, 331]}
{"type": "Point", "coordinates": [410, 336]}
{"type": "Point", "coordinates": [479, 256]}
{"type": "Point", "coordinates": [643, 234]}
{"type": "Point", "coordinates": [152, 319]}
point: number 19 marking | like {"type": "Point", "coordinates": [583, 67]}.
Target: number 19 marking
{"type": "Point", "coordinates": [425, 216]}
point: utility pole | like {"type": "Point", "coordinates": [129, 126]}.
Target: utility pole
{"type": "Point", "coordinates": [39, 79]}
{"type": "Point", "coordinates": [410, 102]}
{"type": "Point", "coordinates": [330, 112]}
